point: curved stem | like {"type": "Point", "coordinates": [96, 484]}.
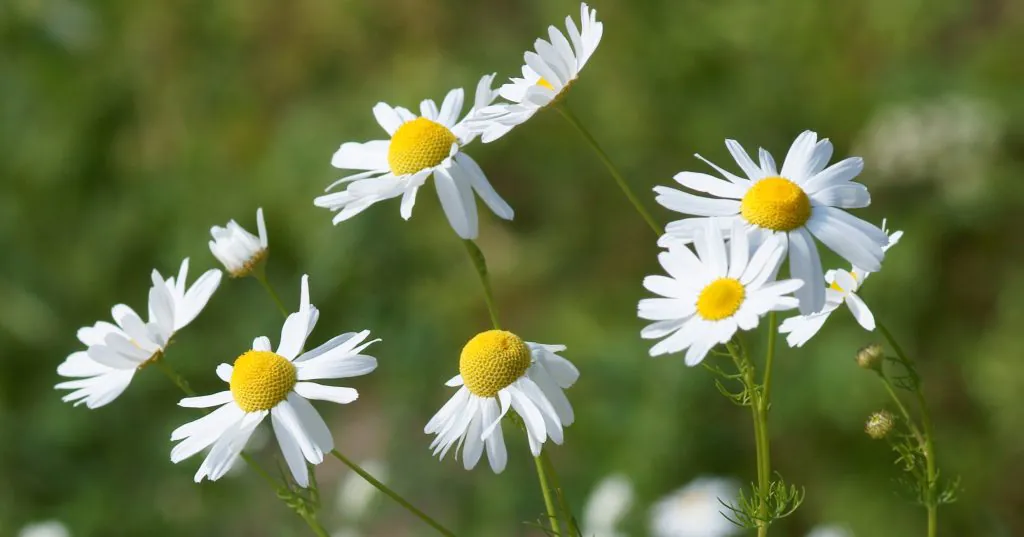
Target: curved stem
{"type": "Point", "coordinates": [480, 264]}
{"type": "Point", "coordinates": [563, 503]}
{"type": "Point", "coordinates": [261, 276]}
{"type": "Point", "coordinates": [887, 382]}
{"type": "Point", "coordinates": [549, 503]}
{"type": "Point", "coordinates": [392, 494]}
{"type": "Point", "coordinates": [564, 110]}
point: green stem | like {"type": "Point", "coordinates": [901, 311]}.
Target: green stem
{"type": "Point", "coordinates": [392, 494]}
{"type": "Point", "coordinates": [563, 109]}
{"type": "Point", "coordinates": [887, 382]}
{"type": "Point", "coordinates": [765, 403]}
{"type": "Point", "coordinates": [549, 503]}
{"type": "Point", "coordinates": [750, 384]}
{"type": "Point", "coordinates": [929, 437]}
{"type": "Point", "coordinates": [563, 503]}
{"type": "Point", "coordinates": [480, 264]}
{"type": "Point", "coordinates": [261, 276]}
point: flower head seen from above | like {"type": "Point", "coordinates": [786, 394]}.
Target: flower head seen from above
{"type": "Point", "coordinates": [711, 295]}
{"type": "Point", "coordinates": [802, 201]}
{"type": "Point", "coordinates": [115, 352]}
{"type": "Point", "coordinates": [419, 147]}
{"type": "Point", "coordinates": [498, 371]}
{"type": "Point", "coordinates": [696, 510]}
{"type": "Point", "coordinates": [842, 288]}
{"type": "Point", "coordinates": [548, 72]}
{"type": "Point", "coordinates": [238, 250]}
{"type": "Point", "coordinates": [278, 383]}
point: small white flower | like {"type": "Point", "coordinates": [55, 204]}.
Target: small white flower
{"type": "Point", "coordinates": [49, 528]}
{"type": "Point", "coordinates": [842, 287]}
{"type": "Point", "coordinates": [711, 295]}
{"type": "Point", "coordinates": [498, 371]}
{"type": "Point", "coordinates": [277, 383]}
{"type": "Point", "coordinates": [696, 510]}
{"type": "Point", "coordinates": [802, 201]}
{"type": "Point", "coordinates": [114, 353]}
{"type": "Point", "coordinates": [830, 531]}
{"type": "Point", "coordinates": [607, 505]}
{"type": "Point", "coordinates": [237, 249]}
{"type": "Point", "coordinates": [547, 74]}
{"type": "Point", "coordinates": [355, 494]}
{"type": "Point", "coordinates": [420, 147]}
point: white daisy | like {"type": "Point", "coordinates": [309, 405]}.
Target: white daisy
{"type": "Point", "coordinates": [830, 531]}
{"type": "Point", "coordinates": [49, 528]}
{"type": "Point", "coordinates": [238, 250]}
{"type": "Point", "coordinates": [277, 383]}
{"type": "Point", "coordinates": [802, 201]}
{"type": "Point", "coordinates": [431, 144]}
{"type": "Point", "coordinates": [696, 510]}
{"type": "Point", "coordinates": [114, 353]}
{"type": "Point", "coordinates": [498, 370]}
{"type": "Point", "coordinates": [842, 287]}
{"type": "Point", "coordinates": [711, 295]}
{"type": "Point", "coordinates": [607, 505]}
{"type": "Point", "coordinates": [547, 74]}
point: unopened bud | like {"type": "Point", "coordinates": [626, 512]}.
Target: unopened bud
{"type": "Point", "coordinates": [879, 424]}
{"type": "Point", "coordinates": [870, 357]}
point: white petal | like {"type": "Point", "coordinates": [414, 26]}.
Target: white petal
{"type": "Point", "coordinates": [860, 311]}
{"type": "Point", "coordinates": [207, 401]}
{"type": "Point", "coordinates": [334, 394]}
{"type": "Point", "coordinates": [387, 118]}
{"type": "Point", "coordinates": [224, 372]}
{"type": "Point", "coordinates": [368, 156]}
{"type": "Point", "coordinates": [743, 159]}
{"type": "Point", "coordinates": [261, 343]}
{"type": "Point", "coordinates": [804, 264]}
{"type": "Point", "coordinates": [682, 202]}
{"type": "Point", "coordinates": [313, 424]}
{"type": "Point", "coordinates": [291, 451]}
{"type": "Point", "coordinates": [483, 187]}
{"type": "Point", "coordinates": [457, 202]}
{"type": "Point", "coordinates": [845, 196]}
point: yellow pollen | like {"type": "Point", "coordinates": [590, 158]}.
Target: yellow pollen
{"type": "Point", "coordinates": [261, 380]}
{"type": "Point", "coordinates": [419, 144]}
{"type": "Point", "coordinates": [835, 285]}
{"type": "Point", "coordinates": [543, 82]}
{"type": "Point", "coordinates": [776, 203]}
{"type": "Point", "coordinates": [493, 360]}
{"type": "Point", "coordinates": [720, 299]}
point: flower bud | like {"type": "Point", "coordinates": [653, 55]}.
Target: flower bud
{"type": "Point", "coordinates": [870, 357]}
{"type": "Point", "coordinates": [879, 424]}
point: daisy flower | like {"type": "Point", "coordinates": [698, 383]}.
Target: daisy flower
{"type": "Point", "coordinates": [842, 287]}
{"type": "Point", "coordinates": [115, 352]}
{"type": "Point", "coordinates": [419, 147]}
{"type": "Point", "coordinates": [696, 510]}
{"type": "Point", "coordinates": [803, 201]}
{"type": "Point", "coordinates": [238, 250]}
{"type": "Point", "coordinates": [711, 295]}
{"type": "Point", "coordinates": [498, 370]}
{"type": "Point", "coordinates": [277, 383]}
{"type": "Point", "coordinates": [607, 505]}
{"type": "Point", "coordinates": [548, 72]}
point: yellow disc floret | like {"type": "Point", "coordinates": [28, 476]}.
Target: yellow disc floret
{"type": "Point", "coordinates": [543, 82]}
{"type": "Point", "coordinates": [835, 284]}
{"type": "Point", "coordinates": [720, 299]}
{"type": "Point", "coordinates": [261, 380]}
{"type": "Point", "coordinates": [419, 144]}
{"type": "Point", "coordinates": [493, 360]}
{"type": "Point", "coordinates": [776, 203]}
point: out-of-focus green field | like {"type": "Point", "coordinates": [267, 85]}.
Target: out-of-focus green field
{"type": "Point", "coordinates": [128, 128]}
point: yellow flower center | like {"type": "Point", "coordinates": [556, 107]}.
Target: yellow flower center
{"type": "Point", "coordinates": [835, 284]}
{"type": "Point", "coordinates": [419, 144]}
{"type": "Point", "coordinates": [261, 380]}
{"type": "Point", "coordinates": [493, 360]}
{"type": "Point", "coordinates": [720, 299]}
{"type": "Point", "coordinates": [776, 203]}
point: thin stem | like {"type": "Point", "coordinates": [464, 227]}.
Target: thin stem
{"type": "Point", "coordinates": [563, 503]}
{"type": "Point", "coordinates": [750, 384]}
{"type": "Point", "coordinates": [480, 264]}
{"type": "Point", "coordinates": [563, 109]}
{"type": "Point", "coordinates": [549, 502]}
{"type": "Point", "coordinates": [315, 525]}
{"type": "Point", "coordinates": [887, 382]}
{"type": "Point", "coordinates": [261, 276]}
{"type": "Point", "coordinates": [392, 494]}
{"type": "Point", "coordinates": [175, 377]}
{"type": "Point", "coordinates": [765, 404]}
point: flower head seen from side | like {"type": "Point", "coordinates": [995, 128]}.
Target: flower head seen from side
{"type": "Point", "coordinates": [238, 250]}
{"type": "Point", "coordinates": [498, 371]}
{"type": "Point", "coordinates": [278, 383]}
{"type": "Point", "coordinates": [115, 352]}
{"type": "Point", "coordinates": [419, 147]}
{"type": "Point", "coordinates": [548, 72]}
{"type": "Point", "coordinates": [802, 201]}
{"type": "Point", "coordinates": [842, 287]}
{"type": "Point", "coordinates": [707, 297]}
{"type": "Point", "coordinates": [696, 510]}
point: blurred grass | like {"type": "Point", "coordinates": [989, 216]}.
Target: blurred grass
{"type": "Point", "coordinates": [128, 128]}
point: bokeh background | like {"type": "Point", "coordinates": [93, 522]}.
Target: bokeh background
{"type": "Point", "coordinates": [128, 128]}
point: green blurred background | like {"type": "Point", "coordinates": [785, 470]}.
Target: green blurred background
{"type": "Point", "coordinates": [128, 128]}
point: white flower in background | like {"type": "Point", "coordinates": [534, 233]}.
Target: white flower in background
{"type": "Point", "coordinates": [803, 201]}
{"type": "Point", "coordinates": [842, 287]}
{"type": "Point", "coordinates": [711, 295]}
{"type": "Point", "coordinates": [49, 528]}
{"type": "Point", "coordinates": [277, 383]}
{"type": "Point", "coordinates": [547, 75]}
{"type": "Point", "coordinates": [238, 250]}
{"type": "Point", "coordinates": [498, 370]}
{"type": "Point", "coordinates": [114, 353]}
{"type": "Point", "coordinates": [696, 510]}
{"type": "Point", "coordinates": [355, 494]}
{"type": "Point", "coordinates": [420, 147]}
{"type": "Point", "coordinates": [607, 505]}
{"type": "Point", "coordinates": [830, 531]}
